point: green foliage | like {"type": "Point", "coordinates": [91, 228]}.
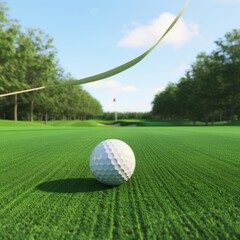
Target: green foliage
{"type": "Point", "coordinates": [166, 102]}
{"type": "Point", "coordinates": [185, 186]}
{"type": "Point", "coordinates": [126, 115]}
{"type": "Point", "coordinates": [28, 60]}
{"type": "Point", "coordinates": [209, 91]}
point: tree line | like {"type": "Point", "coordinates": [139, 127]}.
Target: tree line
{"type": "Point", "coordinates": [210, 89]}
{"type": "Point", "coordinates": [126, 115]}
{"type": "Point", "coordinates": [28, 59]}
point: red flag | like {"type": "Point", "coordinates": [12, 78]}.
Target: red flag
{"type": "Point", "coordinates": [114, 99]}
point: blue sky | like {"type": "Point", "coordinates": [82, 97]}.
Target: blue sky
{"type": "Point", "coordinates": [93, 36]}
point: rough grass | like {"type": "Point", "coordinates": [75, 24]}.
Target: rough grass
{"type": "Point", "coordinates": [185, 186]}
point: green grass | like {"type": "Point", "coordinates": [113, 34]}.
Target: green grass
{"type": "Point", "coordinates": [10, 123]}
{"type": "Point", "coordinates": [99, 123]}
{"type": "Point", "coordinates": [185, 186]}
{"type": "Point", "coordinates": [150, 123]}
{"type": "Point", "coordinates": [76, 123]}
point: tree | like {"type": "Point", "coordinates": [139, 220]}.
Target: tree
{"type": "Point", "coordinates": [210, 89]}
{"type": "Point", "coordinates": [164, 103]}
{"type": "Point", "coordinates": [228, 53]}
{"type": "Point", "coordinates": [207, 86]}
{"type": "Point", "coordinates": [187, 99]}
{"type": "Point", "coordinates": [11, 75]}
{"type": "Point", "coordinates": [41, 66]}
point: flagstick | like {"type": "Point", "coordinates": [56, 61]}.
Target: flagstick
{"type": "Point", "coordinates": [115, 116]}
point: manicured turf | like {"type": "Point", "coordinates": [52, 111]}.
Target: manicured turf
{"type": "Point", "coordinates": [185, 186]}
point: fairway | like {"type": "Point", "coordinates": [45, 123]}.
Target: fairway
{"type": "Point", "coordinates": [185, 185]}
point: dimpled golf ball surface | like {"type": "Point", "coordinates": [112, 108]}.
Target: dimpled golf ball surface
{"type": "Point", "coordinates": [112, 162]}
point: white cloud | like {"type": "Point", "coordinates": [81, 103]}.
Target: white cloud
{"type": "Point", "coordinates": [112, 86]}
{"type": "Point", "coordinates": [146, 35]}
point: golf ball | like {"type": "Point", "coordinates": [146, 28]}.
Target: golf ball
{"type": "Point", "coordinates": [112, 162]}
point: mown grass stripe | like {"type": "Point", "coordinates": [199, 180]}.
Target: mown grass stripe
{"type": "Point", "coordinates": [51, 165]}
{"type": "Point", "coordinates": [184, 185]}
